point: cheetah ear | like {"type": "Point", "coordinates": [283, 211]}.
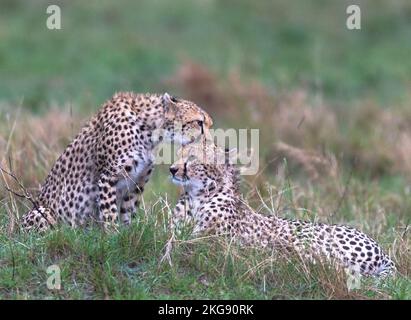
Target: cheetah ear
{"type": "Point", "coordinates": [167, 98]}
{"type": "Point", "coordinates": [232, 159]}
{"type": "Point", "coordinates": [170, 105]}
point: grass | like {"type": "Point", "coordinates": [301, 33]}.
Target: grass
{"type": "Point", "coordinates": [127, 265]}
{"type": "Point", "coordinates": [335, 131]}
{"type": "Point", "coordinates": [303, 183]}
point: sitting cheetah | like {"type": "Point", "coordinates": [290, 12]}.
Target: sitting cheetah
{"type": "Point", "coordinates": [104, 170]}
{"type": "Point", "coordinates": [212, 202]}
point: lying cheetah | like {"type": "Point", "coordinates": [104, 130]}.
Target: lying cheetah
{"type": "Point", "coordinates": [102, 173]}
{"type": "Point", "coordinates": [212, 202]}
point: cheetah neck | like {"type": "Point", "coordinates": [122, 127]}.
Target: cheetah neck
{"type": "Point", "coordinates": [152, 120]}
{"type": "Point", "coordinates": [200, 195]}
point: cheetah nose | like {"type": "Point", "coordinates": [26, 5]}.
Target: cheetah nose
{"type": "Point", "coordinates": [173, 170]}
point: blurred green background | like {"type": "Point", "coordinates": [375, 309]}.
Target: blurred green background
{"type": "Point", "coordinates": [105, 46]}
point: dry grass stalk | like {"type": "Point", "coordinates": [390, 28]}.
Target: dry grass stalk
{"type": "Point", "coordinates": [313, 163]}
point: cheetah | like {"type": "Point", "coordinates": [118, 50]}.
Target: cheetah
{"type": "Point", "coordinates": [213, 204]}
{"type": "Point", "coordinates": [101, 174]}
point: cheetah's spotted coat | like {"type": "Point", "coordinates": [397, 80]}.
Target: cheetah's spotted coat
{"type": "Point", "coordinates": [102, 173]}
{"type": "Point", "coordinates": [212, 203]}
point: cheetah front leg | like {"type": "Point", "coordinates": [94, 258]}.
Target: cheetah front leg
{"type": "Point", "coordinates": [39, 219]}
{"type": "Point", "coordinates": [130, 203]}
{"type": "Point", "coordinates": [107, 199]}
{"type": "Point", "coordinates": [132, 197]}
{"type": "Point", "coordinates": [179, 217]}
{"type": "Point", "coordinates": [182, 215]}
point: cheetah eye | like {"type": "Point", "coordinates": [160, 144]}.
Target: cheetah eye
{"type": "Point", "coordinates": [174, 99]}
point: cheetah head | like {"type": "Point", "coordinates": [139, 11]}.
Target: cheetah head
{"type": "Point", "coordinates": [201, 167]}
{"type": "Point", "coordinates": [184, 122]}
